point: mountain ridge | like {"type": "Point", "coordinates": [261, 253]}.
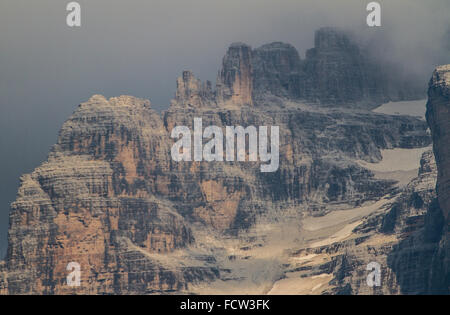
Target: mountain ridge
{"type": "Point", "coordinates": [111, 198]}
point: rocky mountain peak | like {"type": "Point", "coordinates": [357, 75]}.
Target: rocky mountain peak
{"type": "Point", "coordinates": [235, 81]}
{"type": "Point", "coordinates": [441, 78]}
{"type": "Point", "coordinates": [276, 68]}
{"type": "Point", "coordinates": [438, 117]}
{"type": "Point", "coordinates": [191, 91]}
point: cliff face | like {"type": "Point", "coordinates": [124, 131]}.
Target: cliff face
{"type": "Point", "coordinates": [410, 237]}
{"type": "Point", "coordinates": [390, 236]}
{"type": "Point", "coordinates": [438, 113]}
{"type": "Point", "coordinates": [91, 203]}
{"type": "Point", "coordinates": [277, 70]}
{"type": "Point", "coordinates": [438, 116]}
{"type": "Point", "coordinates": [111, 198]}
{"type": "Point", "coordinates": [235, 84]}
{"type": "Point", "coordinates": [337, 71]}
{"type": "Point", "coordinates": [191, 92]}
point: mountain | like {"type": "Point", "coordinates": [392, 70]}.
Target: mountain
{"type": "Point", "coordinates": [111, 198]}
{"type": "Point", "coordinates": [438, 118]}
{"type": "Point", "coordinates": [337, 71]}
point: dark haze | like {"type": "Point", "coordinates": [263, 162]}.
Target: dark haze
{"type": "Point", "coordinates": [139, 47]}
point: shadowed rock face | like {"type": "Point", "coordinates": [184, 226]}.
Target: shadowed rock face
{"type": "Point", "coordinates": [392, 236]}
{"type": "Point", "coordinates": [91, 202]}
{"type": "Point", "coordinates": [438, 116]}
{"type": "Point", "coordinates": [413, 245]}
{"type": "Point", "coordinates": [191, 92]}
{"type": "Point", "coordinates": [337, 71]}
{"type": "Point", "coordinates": [111, 198]}
{"type": "Point", "coordinates": [277, 69]}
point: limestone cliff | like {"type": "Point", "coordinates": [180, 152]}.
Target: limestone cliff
{"type": "Point", "coordinates": [277, 70]}
{"type": "Point", "coordinates": [438, 113]}
{"type": "Point", "coordinates": [340, 71]}
{"type": "Point", "coordinates": [438, 116]}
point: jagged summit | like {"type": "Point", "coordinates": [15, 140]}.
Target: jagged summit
{"type": "Point", "coordinates": [438, 108]}
{"type": "Point", "coordinates": [191, 92]}
{"type": "Point", "coordinates": [278, 70]}
{"type": "Point", "coordinates": [235, 79]}
{"type": "Point", "coordinates": [335, 72]}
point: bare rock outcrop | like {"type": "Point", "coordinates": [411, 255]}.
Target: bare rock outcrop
{"type": "Point", "coordinates": [235, 81]}
{"type": "Point", "coordinates": [91, 203]}
{"type": "Point", "coordinates": [438, 113]}
{"type": "Point", "coordinates": [277, 70]}
{"type": "Point", "coordinates": [438, 117]}
{"type": "Point", "coordinates": [410, 238]}
{"type": "Point", "coordinates": [191, 92]}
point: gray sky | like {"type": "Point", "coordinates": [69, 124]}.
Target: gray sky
{"type": "Point", "coordinates": [139, 47]}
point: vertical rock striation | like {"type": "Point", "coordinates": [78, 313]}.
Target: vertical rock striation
{"type": "Point", "coordinates": [438, 117]}
{"type": "Point", "coordinates": [277, 70]}
{"type": "Point", "coordinates": [235, 81]}
{"type": "Point", "coordinates": [339, 71]}
{"type": "Point", "coordinates": [191, 92]}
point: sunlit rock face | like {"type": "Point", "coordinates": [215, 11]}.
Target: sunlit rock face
{"type": "Point", "coordinates": [438, 116]}
{"type": "Point", "coordinates": [411, 238]}
{"type": "Point", "coordinates": [277, 70]}
{"type": "Point", "coordinates": [336, 71]}
{"type": "Point", "coordinates": [191, 92]}
{"type": "Point", "coordinates": [235, 82]}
